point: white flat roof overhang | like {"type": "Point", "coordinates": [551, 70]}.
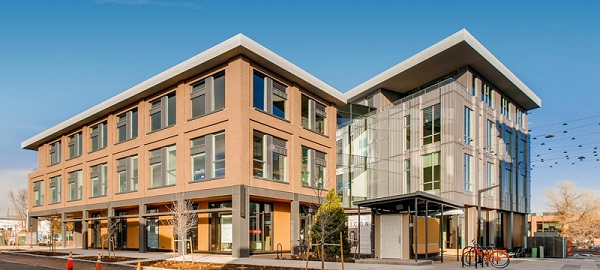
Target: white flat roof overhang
{"type": "Point", "coordinates": [457, 51]}
{"type": "Point", "coordinates": [217, 55]}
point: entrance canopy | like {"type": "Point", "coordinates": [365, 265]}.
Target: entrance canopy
{"type": "Point", "coordinates": [406, 202]}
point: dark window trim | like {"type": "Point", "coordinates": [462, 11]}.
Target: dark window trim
{"type": "Point", "coordinates": [272, 87]}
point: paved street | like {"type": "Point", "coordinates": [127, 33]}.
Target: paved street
{"type": "Point", "coordinates": [4, 265]}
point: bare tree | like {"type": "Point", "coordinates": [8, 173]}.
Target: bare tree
{"type": "Point", "coordinates": [184, 219]}
{"type": "Point", "coordinates": [19, 202]}
{"type": "Point", "coordinates": [112, 227]}
{"type": "Point", "coordinates": [54, 221]}
{"type": "Point", "coordinates": [577, 211]}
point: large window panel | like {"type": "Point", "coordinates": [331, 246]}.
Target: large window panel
{"type": "Point", "coordinates": [163, 164]}
{"type": "Point", "coordinates": [38, 193]}
{"type": "Point", "coordinates": [75, 185]}
{"type": "Point", "coordinates": [98, 181]}
{"type": "Point", "coordinates": [55, 153]}
{"type": "Point", "coordinates": [269, 95]}
{"type": "Point", "coordinates": [127, 174]}
{"type": "Point", "coordinates": [431, 171]}
{"type": "Point", "coordinates": [208, 157]}
{"type": "Point", "coordinates": [467, 172]}
{"type": "Point", "coordinates": [313, 115]}
{"type": "Point", "coordinates": [269, 157]}
{"type": "Point", "coordinates": [313, 168]}
{"type": "Point", "coordinates": [98, 137]}
{"type": "Point", "coordinates": [208, 95]}
{"type": "Point", "coordinates": [468, 126]}
{"type": "Point", "coordinates": [75, 145]}
{"type": "Point", "coordinates": [163, 112]}
{"type": "Point", "coordinates": [55, 189]}
{"type": "Point", "coordinates": [127, 126]}
{"type": "Point", "coordinates": [432, 124]}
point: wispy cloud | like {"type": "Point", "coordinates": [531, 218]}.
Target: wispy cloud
{"type": "Point", "coordinates": [162, 3]}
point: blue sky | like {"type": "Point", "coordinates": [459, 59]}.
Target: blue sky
{"type": "Point", "coordinates": [58, 58]}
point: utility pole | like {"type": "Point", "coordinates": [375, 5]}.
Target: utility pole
{"type": "Point", "coordinates": [479, 192]}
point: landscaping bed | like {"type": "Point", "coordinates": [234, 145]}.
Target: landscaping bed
{"type": "Point", "coordinates": [107, 259]}
{"type": "Point", "coordinates": [48, 253]}
{"type": "Point", "coordinates": [212, 266]}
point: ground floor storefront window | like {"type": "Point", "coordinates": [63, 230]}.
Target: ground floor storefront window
{"type": "Point", "coordinates": [221, 228]}
{"type": "Point", "coordinates": [261, 227]}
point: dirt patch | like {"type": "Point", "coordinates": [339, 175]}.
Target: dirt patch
{"type": "Point", "coordinates": [107, 259]}
{"type": "Point", "coordinates": [48, 253]}
{"type": "Point", "coordinates": [212, 266]}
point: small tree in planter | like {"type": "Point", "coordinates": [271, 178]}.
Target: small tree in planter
{"type": "Point", "coordinates": [183, 222]}
{"type": "Point", "coordinates": [330, 220]}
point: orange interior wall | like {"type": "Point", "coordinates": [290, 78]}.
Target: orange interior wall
{"type": "Point", "coordinates": [281, 225]}
{"type": "Point", "coordinates": [433, 229]}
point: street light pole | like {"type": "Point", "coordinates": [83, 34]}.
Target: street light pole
{"type": "Point", "coordinates": [479, 192]}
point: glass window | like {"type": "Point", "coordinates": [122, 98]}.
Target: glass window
{"type": "Point", "coordinates": [313, 169]}
{"type": "Point", "coordinates": [163, 164]}
{"type": "Point", "coordinates": [489, 176]}
{"type": "Point", "coordinates": [55, 189]}
{"type": "Point", "coordinates": [208, 95]}
{"type": "Point", "coordinates": [467, 173]}
{"type": "Point", "coordinates": [474, 88]}
{"type": "Point", "coordinates": [407, 132]}
{"type": "Point", "coordinates": [98, 180]}
{"type": "Point", "coordinates": [269, 157]}
{"type": "Point", "coordinates": [219, 155]}
{"type": "Point", "coordinates": [431, 171]}
{"type": "Point", "coordinates": [261, 226]}
{"type": "Point", "coordinates": [75, 145]}
{"type": "Point", "coordinates": [269, 95]}
{"type": "Point", "coordinates": [432, 125]}
{"type": "Point", "coordinates": [468, 126]}
{"type": "Point", "coordinates": [98, 136]}
{"type": "Point", "coordinates": [313, 115]}
{"type": "Point", "coordinates": [407, 177]}
{"type": "Point", "coordinates": [163, 112]}
{"type": "Point", "coordinates": [127, 174]}
{"type": "Point", "coordinates": [208, 157]}
{"type": "Point", "coordinates": [55, 153]}
{"type": "Point", "coordinates": [486, 94]}
{"type": "Point", "coordinates": [38, 193]}
{"type": "Point", "coordinates": [75, 186]}
{"type": "Point", "coordinates": [127, 126]}
{"type": "Point", "coordinates": [490, 137]}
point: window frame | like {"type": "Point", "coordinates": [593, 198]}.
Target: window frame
{"type": "Point", "coordinates": [316, 161]}
{"type": "Point", "coordinates": [207, 87]}
{"type": "Point", "coordinates": [55, 187]}
{"type": "Point", "coordinates": [407, 176]}
{"type": "Point", "coordinates": [208, 150]}
{"type": "Point", "coordinates": [55, 152]}
{"type": "Point", "coordinates": [314, 110]}
{"type": "Point", "coordinates": [99, 135]}
{"type": "Point", "coordinates": [490, 136]}
{"type": "Point", "coordinates": [75, 145]}
{"type": "Point", "coordinates": [436, 110]}
{"type": "Point", "coordinates": [433, 179]}
{"type": "Point", "coordinates": [75, 180]}
{"type": "Point", "coordinates": [100, 172]}
{"type": "Point", "coordinates": [468, 126]}
{"type": "Point", "coordinates": [162, 159]}
{"type": "Point", "coordinates": [407, 131]}
{"type": "Point", "coordinates": [271, 90]}
{"type": "Point", "coordinates": [270, 147]}
{"type": "Point", "coordinates": [130, 122]}
{"type": "Point", "coordinates": [161, 106]}
{"type": "Point", "coordinates": [38, 187]}
{"type": "Point", "coordinates": [468, 172]}
{"type": "Point", "coordinates": [129, 166]}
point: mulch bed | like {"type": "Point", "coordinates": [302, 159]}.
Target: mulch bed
{"type": "Point", "coordinates": [212, 266]}
{"type": "Point", "coordinates": [107, 259]}
{"type": "Point", "coordinates": [48, 253]}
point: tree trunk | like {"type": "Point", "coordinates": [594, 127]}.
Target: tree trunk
{"type": "Point", "coordinates": [322, 247]}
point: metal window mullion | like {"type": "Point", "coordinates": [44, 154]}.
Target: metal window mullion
{"type": "Point", "coordinates": [209, 88]}
{"type": "Point", "coordinates": [209, 156]}
{"type": "Point", "coordinates": [164, 163]}
{"type": "Point", "coordinates": [268, 95]}
{"type": "Point", "coordinates": [311, 114]}
{"type": "Point", "coordinates": [128, 125]}
{"type": "Point", "coordinates": [268, 149]}
{"type": "Point", "coordinates": [164, 111]}
{"type": "Point", "coordinates": [313, 167]}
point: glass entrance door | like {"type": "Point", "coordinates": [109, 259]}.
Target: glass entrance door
{"type": "Point", "coordinates": [152, 233]}
{"type": "Point", "coordinates": [261, 227]}
{"type": "Point", "coordinates": [96, 234]}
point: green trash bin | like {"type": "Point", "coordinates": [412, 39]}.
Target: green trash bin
{"type": "Point", "coordinates": [533, 252]}
{"type": "Point", "coordinates": [542, 252]}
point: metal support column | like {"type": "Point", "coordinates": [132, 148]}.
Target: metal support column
{"type": "Point", "coordinates": [358, 232]}
{"type": "Point", "coordinates": [442, 240]}
{"type": "Point", "coordinates": [142, 234]}
{"type": "Point", "coordinates": [84, 229]}
{"type": "Point", "coordinates": [416, 229]}
{"type": "Point", "coordinates": [426, 229]}
{"type": "Point", "coordinates": [63, 229]}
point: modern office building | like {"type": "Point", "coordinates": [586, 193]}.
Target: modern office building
{"type": "Point", "coordinates": [247, 136]}
{"type": "Point", "coordinates": [252, 140]}
{"type": "Point", "coordinates": [451, 122]}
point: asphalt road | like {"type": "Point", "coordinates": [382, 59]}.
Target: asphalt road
{"type": "Point", "coordinates": [4, 265]}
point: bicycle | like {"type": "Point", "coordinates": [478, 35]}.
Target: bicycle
{"type": "Point", "coordinates": [477, 254]}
